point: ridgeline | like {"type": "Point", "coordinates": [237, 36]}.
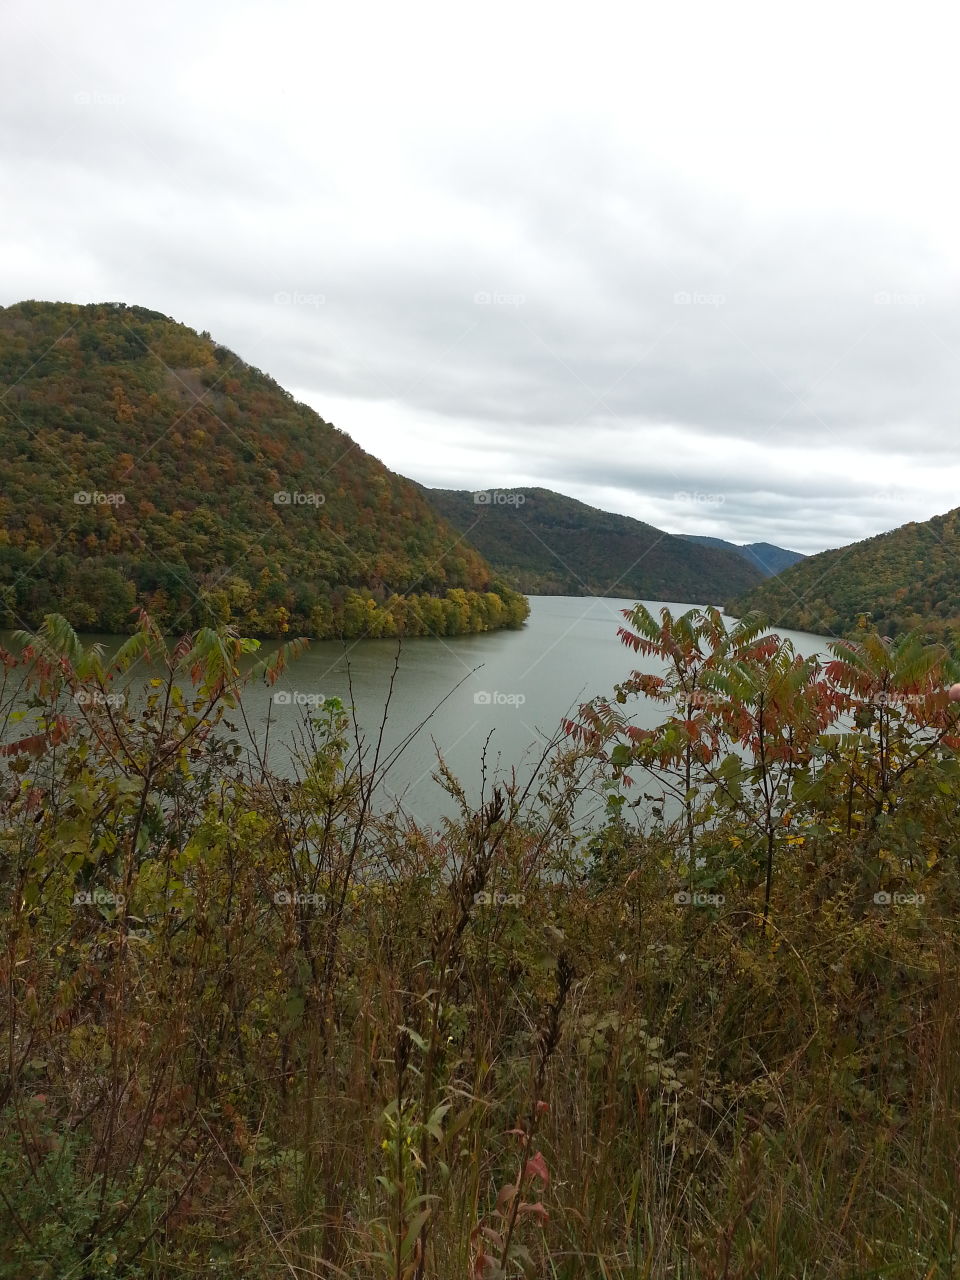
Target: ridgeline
{"type": "Point", "coordinates": [899, 581]}
{"type": "Point", "coordinates": [545, 543]}
{"type": "Point", "coordinates": [145, 465]}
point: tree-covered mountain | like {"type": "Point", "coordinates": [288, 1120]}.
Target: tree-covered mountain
{"type": "Point", "coordinates": [545, 543]}
{"type": "Point", "coordinates": [763, 555]}
{"type": "Point", "coordinates": [144, 464]}
{"type": "Point", "coordinates": [905, 579]}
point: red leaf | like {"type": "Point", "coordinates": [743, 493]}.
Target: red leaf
{"type": "Point", "coordinates": [507, 1192]}
{"type": "Point", "coordinates": [536, 1167]}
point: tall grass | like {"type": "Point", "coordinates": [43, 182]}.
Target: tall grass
{"type": "Point", "coordinates": [289, 1035]}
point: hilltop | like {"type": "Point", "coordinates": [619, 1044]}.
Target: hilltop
{"type": "Point", "coordinates": [545, 543]}
{"type": "Point", "coordinates": [905, 579]}
{"type": "Point", "coordinates": [764, 556]}
{"type": "Point", "coordinates": [145, 464]}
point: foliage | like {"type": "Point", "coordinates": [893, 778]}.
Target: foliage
{"type": "Point", "coordinates": [764, 555]}
{"type": "Point", "coordinates": [146, 465]}
{"type": "Point", "coordinates": [255, 1026]}
{"type": "Point", "coordinates": [767, 749]}
{"type": "Point", "coordinates": [547, 544]}
{"type": "Point", "coordinates": [900, 581]}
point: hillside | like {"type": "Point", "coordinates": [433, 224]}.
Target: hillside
{"type": "Point", "coordinates": [762, 555]}
{"type": "Point", "coordinates": [146, 464]}
{"type": "Point", "coordinates": [904, 579]}
{"type": "Point", "coordinates": [545, 543]}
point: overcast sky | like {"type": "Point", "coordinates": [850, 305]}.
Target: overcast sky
{"type": "Point", "coordinates": [696, 263]}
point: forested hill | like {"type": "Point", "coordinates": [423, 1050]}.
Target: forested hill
{"type": "Point", "coordinates": [545, 543]}
{"type": "Point", "coordinates": [145, 464]}
{"type": "Point", "coordinates": [762, 555]}
{"type": "Point", "coordinates": [908, 578]}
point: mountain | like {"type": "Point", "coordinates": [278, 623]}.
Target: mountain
{"type": "Point", "coordinates": [143, 463]}
{"type": "Point", "coordinates": [545, 543]}
{"type": "Point", "coordinates": [908, 578]}
{"type": "Point", "coordinates": [762, 555]}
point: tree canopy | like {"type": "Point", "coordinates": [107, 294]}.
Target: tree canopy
{"type": "Point", "coordinates": [898, 582]}
{"type": "Point", "coordinates": [144, 464]}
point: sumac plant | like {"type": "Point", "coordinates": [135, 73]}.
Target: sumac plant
{"type": "Point", "coordinates": [763, 748]}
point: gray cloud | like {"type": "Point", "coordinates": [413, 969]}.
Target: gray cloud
{"type": "Point", "coordinates": [522, 255]}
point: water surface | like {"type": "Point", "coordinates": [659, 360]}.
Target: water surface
{"type": "Point", "coordinates": [502, 694]}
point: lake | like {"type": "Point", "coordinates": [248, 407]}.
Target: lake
{"type": "Point", "coordinates": [507, 691]}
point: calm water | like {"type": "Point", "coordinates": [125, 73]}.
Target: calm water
{"type": "Point", "coordinates": [508, 690]}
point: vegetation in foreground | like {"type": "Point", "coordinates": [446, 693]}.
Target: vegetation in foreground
{"type": "Point", "coordinates": [253, 1027]}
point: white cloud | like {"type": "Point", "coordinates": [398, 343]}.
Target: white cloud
{"type": "Point", "coordinates": [788, 171]}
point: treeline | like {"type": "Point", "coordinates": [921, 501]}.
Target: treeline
{"type": "Point", "coordinates": [543, 542]}
{"type": "Point", "coordinates": [902, 581]}
{"type": "Point", "coordinates": [107, 595]}
{"type": "Point", "coordinates": [145, 464]}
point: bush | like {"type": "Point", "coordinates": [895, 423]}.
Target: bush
{"type": "Point", "coordinates": [256, 1024]}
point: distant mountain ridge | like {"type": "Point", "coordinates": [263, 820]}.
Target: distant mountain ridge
{"type": "Point", "coordinates": [905, 579]}
{"type": "Point", "coordinates": [544, 543]}
{"type": "Point", "coordinates": [146, 465]}
{"type": "Point", "coordinates": [764, 556]}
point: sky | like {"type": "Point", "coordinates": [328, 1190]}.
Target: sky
{"type": "Point", "coordinates": [694, 263]}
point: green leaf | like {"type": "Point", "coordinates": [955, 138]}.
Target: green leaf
{"type": "Point", "coordinates": [293, 1008]}
{"type": "Point", "coordinates": [418, 1040]}
{"type": "Point", "coordinates": [413, 1231]}
{"type": "Point", "coordinates": [433, 1126]}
